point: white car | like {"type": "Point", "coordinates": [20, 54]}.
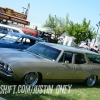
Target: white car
{"type": "Point", "coordinates": [5, 29]}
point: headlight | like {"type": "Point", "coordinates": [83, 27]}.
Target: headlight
{"type": "Point", "coordinates": [9, 69]}
{"type": "Point", "coordinates": [5, 66]}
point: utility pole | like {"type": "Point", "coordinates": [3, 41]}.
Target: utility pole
{"type": "Point", "coordinates": [98, 25]}
{"type": "Point", "coordinates": [23, 10]}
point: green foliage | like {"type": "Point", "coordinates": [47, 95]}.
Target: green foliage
{"type": "Point", "coordinates": [81, 31]}
{"type": "Point", "coordinates": [56, 24]}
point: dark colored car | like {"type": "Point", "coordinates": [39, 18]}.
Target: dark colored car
{"type": "Point", "coordinates": [18, 41]}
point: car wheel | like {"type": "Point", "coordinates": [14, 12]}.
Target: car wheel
{"type": "Point", "coordinates": [31, 79]}
{"type": "Point", "coordinates": [91, 80]}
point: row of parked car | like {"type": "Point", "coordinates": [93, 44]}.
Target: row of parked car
{"type": "Point", "coordinates": [18, 41]}
{"type": "Point", "coordinates": [11, 37]}
{"type": "Point", "coordinates": [40, 62]}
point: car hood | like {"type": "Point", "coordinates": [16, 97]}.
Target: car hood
{"type": "Point", "coordinates": [10, 56]}
{"type": "Point", "coordinates": [5, 41]}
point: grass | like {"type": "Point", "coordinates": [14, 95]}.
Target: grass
{"type": "Point", "coordinates": [77, 92]}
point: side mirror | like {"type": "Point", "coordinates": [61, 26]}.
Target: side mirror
{"type": "Point", "coordinates": [66, 62]}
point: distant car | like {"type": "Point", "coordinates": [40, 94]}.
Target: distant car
{"type": "Point", "coordinates": [26, 30]}
{"type": "Point", "coordinates": [18, 41]}
{"type": "Point", "coordinates": [50, 63]}
{"type": "Point", "coordinates": [30, 32]}
{"type": "Point", "coordinates": [5, 29]}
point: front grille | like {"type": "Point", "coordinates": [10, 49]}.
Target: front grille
{"type": "Point", "coordinates": [3, 69]}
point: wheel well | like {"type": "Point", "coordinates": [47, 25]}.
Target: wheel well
{"type": "Point", "coordinates": [96, 77]}
{"type": "Point", "coordinates": [40, 77]}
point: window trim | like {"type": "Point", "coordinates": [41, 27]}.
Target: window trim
{"type": "Point", "coordinates": [62, 55]}
{"type": "Point", "coordinates": [79, 53]}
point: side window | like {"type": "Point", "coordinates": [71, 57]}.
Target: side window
{"type": "Point", "coordinates": [32, 42]}
{"type": "Point", "coordinates": [94, 58]}
{"type": "Point", "coordinates": [19, 40]}
{"type": "Point", "coordinates": [29, 42]}
{"type": "Point", "coordinates": [0, 28]}
{"type": "Point", "coordinates": [51, 53]}
{"type": "Point", "coordinates": [3, 30]}
{"type": "Point", "coordinates": [10, 30]}
{"type": "Point", "coordinates": [79, 58]}
{"type": "Point", "coordinates": [67, 56]}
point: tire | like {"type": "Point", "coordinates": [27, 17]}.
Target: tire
{"type": "Point", "coordinates": [91, 80]}
{"type": "Point", "coordinates": [31, 79]}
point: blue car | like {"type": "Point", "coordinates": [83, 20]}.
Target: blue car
{"type": "Point", "coordinates": [18, 41]}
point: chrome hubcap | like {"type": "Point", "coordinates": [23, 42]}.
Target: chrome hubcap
{"type": "Point", "coordinates": [91, 80]}
{"type": "Point", "coordinates": [31, 79]}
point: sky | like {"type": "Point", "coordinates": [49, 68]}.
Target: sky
{"type": "Point", "coordinates": [40, 9]}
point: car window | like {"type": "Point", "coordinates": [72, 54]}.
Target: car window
{"type": "Point", "coordinates": [51, 53]}
{"type": "Point", "coordinates": [3, 30]}
{"type": "Point", "coordinates": [19, 40]}
{"type": "Point", "coordinates": [45, 51]}
{"type": "Point", "coordinates": [93, 58]}
{"type": "Point", "coordinates": [10, 30]}
{"type": "Point", "coordinates": [28, 41]}
{"type": "Point", "coordinates": [67, 56]}
{"type": "Point", "coordinates": [79, 58]}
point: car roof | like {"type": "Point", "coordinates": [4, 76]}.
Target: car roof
{"type": "Point", "coordinates": [11, 27]}
{"type": "Point", "coordinates": [68, 48]}
{"type": "Point", "coordinates": [24, 35]}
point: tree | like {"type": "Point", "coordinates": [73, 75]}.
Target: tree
{"type": "Point", "coordinates": [81, 31]}
{"type": "Point", "coordinates": [56, 24]}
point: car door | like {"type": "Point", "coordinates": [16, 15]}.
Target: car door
{"type": "Point", "coordinates": [64, 68]}
{"type": "Point", "coordinates": [94, 63]}
{"type": "Point", "coordinates": [10, 45]}
{"type": "Point", "coordinates": [82, 69]}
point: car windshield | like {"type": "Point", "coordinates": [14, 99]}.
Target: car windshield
{"type": "Point", "coordinates": [45, 51]}
{"type": "Point", "coordinates": [94, 58]}
{"type": "Point", "coordinates": [10, 37]}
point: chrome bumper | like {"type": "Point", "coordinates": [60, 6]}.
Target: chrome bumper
{"type": "Point", "coordinates": [5, 75]}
